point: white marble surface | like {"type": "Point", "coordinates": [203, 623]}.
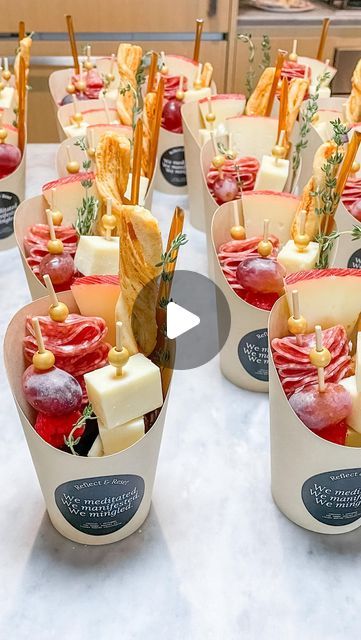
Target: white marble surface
{"type": "Point", "coordinates": [215, 560]}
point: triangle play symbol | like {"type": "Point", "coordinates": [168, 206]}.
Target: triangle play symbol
{"type": "Point", "coordinates": [179, 320]}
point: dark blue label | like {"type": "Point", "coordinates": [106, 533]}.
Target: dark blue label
{"type": "Point", "coordinates": [354, 261]}
{"type": "Point", "coordinates": [253, 354]}
{"type": "Point", "coordinates": [9, 202]}
{"type": "Point", "coordinates": [173, 167]}
{"type": "Point", "coordinates": [101, 505]}
{"type": "Point", "coordinates": [334, 497]}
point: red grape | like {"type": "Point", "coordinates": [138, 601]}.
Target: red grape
{"type": "Point", "coordinates": [59, 266]}
{"type": "Point", "coordinates": [10, 157]}
{"type": "Point", "coordinates": [261, 300]}
{"type": "Point", "coordinates": [53, 391]}
{"type": "Point", "coordinates": [319, 411]}
{"type": "Point", "coordinates": [172, 117]}
{"type": "Point", "coordinates": [263, 275]}
{"type": "Point", "coordinates": [225, 189]}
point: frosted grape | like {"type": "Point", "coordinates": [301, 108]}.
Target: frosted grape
{"type": "Point", "coordinates": [261, 274]}
{"type": "Point", "coordinates": [60, 268]}
{"type": "Point", "coordinates": [54, 392]}
{"type": "Point", "coordinates": [225, 189]}
{"type": "Point", "coordinates": [320, 410]}
{"type": "Point", "coordinates": [10, 157]}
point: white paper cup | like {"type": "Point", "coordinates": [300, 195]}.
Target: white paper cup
{"type": "Point", "coordinates": [193, 113]}
{"type": "Point", "coordinates": [244, 357]}
{"type": "Point", "coordinates": [89, 500]}
{"type": "Point", "coordinates": [315, 483]}
{"type": "Point", "coordinates": [12, 192]}
{"type": "Point", "coordinates": [93, 112]}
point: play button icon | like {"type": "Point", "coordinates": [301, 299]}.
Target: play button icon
{"type": "Point", "coordinates": [179, 320]}
{"type": "Point", "coordinates": [197, 320]}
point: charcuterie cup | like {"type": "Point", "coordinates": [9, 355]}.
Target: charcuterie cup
{"type": "Point", "coordinates": [244, 357]}
{"type": "Point", "coordinates": [315, 483]}
{"type": "Point", "coordinates": [252, 136]}
{"type": "Point", "coordinates": [196, 133]}
{"type": "Point", "coordinates": [89, 500]}
{"type": "Point", "coordinates": [12, 192]}
{"type": "Point", "coordinates": [93, 112]}
{"type": "Point", "coordinates": [170, 174]}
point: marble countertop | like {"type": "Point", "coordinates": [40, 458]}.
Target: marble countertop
{"type": "Point", "coordinates": [250, 16]}
{"type": "Point", "coordinates": [215, 560]}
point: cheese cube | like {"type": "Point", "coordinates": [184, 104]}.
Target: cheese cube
{"type": "Point", "coordinates": [97, 256]}
{"type": "Point", "coordinates": [272, 174]}
{"type": "Point", "coordinates": [96, 450]}
{"type": "Point", "coordinates": [73, 130]}
{"type": "Point", "coordinates": [294, 260]}
{"type": "Point", "coordinates": [192, 95]}
{"type": "Point", "coordinates": [98, 296]}
{"type": "Point", "coordinates": [121, 437]}
{"type": "Point", "coordinates": [354, 418]}
{"type": "Point", "coordinates": [118, 399]}
{"type": "Point", "coordinates": [7, 98]}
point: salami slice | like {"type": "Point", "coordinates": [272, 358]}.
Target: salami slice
{"type": "Point", "coordinates": [293, 364]}
{"type": "Point", "coordinates": [171, 86]}
{"type": "Point", "coordinates": [351, 194]}
{"type": "Point", "coordinates": [247, 169]}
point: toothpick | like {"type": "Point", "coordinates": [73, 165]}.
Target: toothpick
{"type": "Point", "coordinates": [197, 40]}
{"type": "Point", "coordinates": [75, 103]}
{"type": "Point", "coordinates": [236, 214]}
{"type": "Point", "coordinates": [296, 313]}
{"type": "Point", "coordinates": [265, 229]}
{"type": "Point", "coordinates": [68, 153]}
{"type": "Point", "coordinates": [49, 218]}
{"type": "Point", "coordinates": [38, 335]}
{"type": "Point", "coordinates": [181, 83]}
{"type": "Point", "coordinates": [51, 291]}
{"type": "Point", "coordinates": [294, 48]}
{"type": "Point", "coordinates": [52, 198]}
{"type": "Point", "coordinates": [198, 74]}
{"type": "Point", "coordinates": [320, 370]}
{"type": "Point", "coordinates": [214, 143]}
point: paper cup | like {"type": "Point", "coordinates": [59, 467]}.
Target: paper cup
{"type": "Point", "coordinates": [193, 117]}
{"type": "Point", "coordinates": [315, 483]}
{"type": "Point", "coordinates": [251, 136]}
{"type": "Point", "coordinates": [170, 173]}
{"type": "Point", "coordinates": [244, 357]}
{"type": "Point", "coordinates": [317, 68]}
{"type": "Point", "coordinates": [12, 192]}
{"type": "Point", "coordinates": [93, 113]}
{"type": "Point", "coordinates": [89, 500]}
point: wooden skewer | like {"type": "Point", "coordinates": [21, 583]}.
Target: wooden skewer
{"type": "Point", "coordinates": [282, 116]}
{"type": "Point", "coordinates": [22, 105]}
{"type": "Point", "coordinates": [137, 162]}
{"type": "Point", "coordinates": [214, 143]}
{"type": "Point", "coordinates": [265, 229]}
{"type": "Point", "coordinates": [155, 129]}
{"type": "Point", "coordinates": [21, 30]}
{"type": "Point", "coordinates": [323, 36]}
{"type": "Point", "coordinates": [197, 40]}
{"type": "Point", "coordinates": [38, 335]}
{"type": "Point", "coordinates": [74, 51]}
{"type": "Point", "coordinates": [343, 175]}
{"type": "Point", "coordinates": [152, 71]}
{"type": "Point", "coordinates": [296, 313]}
{"type": "Point", "coordinates": [281, 56]}
{"type": "Point", "coordinates": [236, 213]}
{"type": "Point", "coordinates": [52, 295]}
{"type": "Point", "coordinates": [320, 370]}
{"type": "Point", "coordinates": [49, 218]}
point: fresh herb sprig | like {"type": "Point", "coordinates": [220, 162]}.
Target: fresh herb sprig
{"type": "Point", "coordinates": [250, 75]}
{"type": "Point", "coordinates": [87, 212]}
{"type": "Point", "coordinates": [266, 52]}
{"type": "Point", "coordinates": [70, 441]}
{"type": "Point", "coordinates": [328, 241]}
{"type": "Point", "coordinates": [168, 258]}
{"type": "Point", "coordinates": [306, 122]}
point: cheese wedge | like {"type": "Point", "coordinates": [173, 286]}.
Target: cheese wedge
{"type": "Point", "coordinates": [272, 174]}
{"type": "Point", "coordinates": [95, 255]}
{"type": "Point", "coordinates": [193, 95]}
{"type": "Point", "coordinates": [294, 260]}
{"type": "Point", "coordinates": [121, 437]}
{"type": "Point", "coordinates": [97, 296]}
{"type": "Point", "coordinates": [118, 399]}
{"type": "Point", "coordinates": [74, 130]}
{"type": "Point", "coordinates": [96, 450]}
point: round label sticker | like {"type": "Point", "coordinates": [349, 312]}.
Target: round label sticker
{"type": "Point", "coordinates": [9, 202]}
{"type": "Point", "coordinates": [354, 261]}
{"type": "Point", "coordinates": [253, 354]}
{"type": "Point", "coordinates": [334, 497]}
{"type": "Point", "coordinates": [173, 167]}
{"type": "Point", "coordinates": [101, 505]}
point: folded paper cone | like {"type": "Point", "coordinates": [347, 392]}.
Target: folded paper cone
{"type": "Point", "coordinates": [170, 173]}
{"type": "Point", "coordinates": [89, 500]}
{"type": "Point", "coordinates": [58, 80]}
{"type": "Point", "coordinates": [244, 357]}
{"type": "Point", "coordinates": [193, 117]}
{"type": "Point", "coordinates": [93, 113]}
{"type": "Point", "coordinates": [12, 192]}
{"type": "Point", "coordinates": [348, 253]}
{"type": "Point", "coordinates": [315, 483]}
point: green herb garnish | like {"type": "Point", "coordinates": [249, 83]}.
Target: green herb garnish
{"type": "Point", "coordinates": [70, 441]}
{"type": "Point", "coordinates": [87, 212]}
{"type": "Point", "coordinates": [250, 75]}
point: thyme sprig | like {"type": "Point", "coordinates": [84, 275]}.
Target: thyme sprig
{"type": "Point", "coordinates": [227, 153]}
{"type": "Point", "coordinates": [306, 122]}
{"type": "Point", "coordinates": [70, 441]}
{"type": "Point", "coordinates": [87, 212]}
{"type": "Point", "coordinates": [266, 52]}
{"type": "Point", "coordinates": [328, 242]}
{"type": "Point", "coordinates": [250, 75]}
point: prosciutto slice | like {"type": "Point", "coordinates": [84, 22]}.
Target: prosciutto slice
{"type": "Point", "coordinates": [293, 364]}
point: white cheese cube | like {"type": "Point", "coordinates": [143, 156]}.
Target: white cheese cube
{"type": "Point", "coordinates": [118, 399]}
{"type": "Point", "coordinates": [7, 98]}
{"type": "Point", "coordinates": [96, 450]}
{"type": "Point", "coordinates": [272, 174]}
{"type": "Point", "coordinates": [73, 130]}
{"type": "Point", "coordinates": [122, 436]}
{"type": "Point", "coordinates": [354, 418]}
{"type": "Point", "coordinates": [294, 260]}
{"type": "Point", "coordinates": [192, 95]}
{"type": "Point", "coordinates": [97, 256]}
